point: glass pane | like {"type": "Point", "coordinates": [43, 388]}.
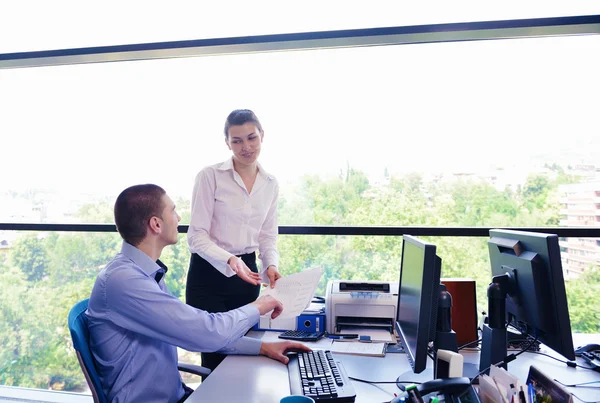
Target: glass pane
{"type": "Point", "coordinates": [471, 134]}
{"type": "Point", "coordinates": [52, 25]}
{"type": "Point", "coordinates": [39, 267]}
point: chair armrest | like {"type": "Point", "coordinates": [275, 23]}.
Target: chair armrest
{"type": "Point", "coordinates": [193, 369]}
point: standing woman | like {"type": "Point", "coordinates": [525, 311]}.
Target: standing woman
{"type": "Point", "coordinates": [234, 215]}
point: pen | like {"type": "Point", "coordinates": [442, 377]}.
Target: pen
{"type": "Point", "coordinates": [343, 336]}
{"type": "Point", "coordinates": [531, 390]}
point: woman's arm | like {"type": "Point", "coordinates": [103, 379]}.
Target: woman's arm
{"type": "Point", "coordinates": [203, 205]}
{"type": "Point", "coordinates": [267, 240]}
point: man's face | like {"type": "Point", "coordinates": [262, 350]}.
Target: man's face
{"type": "Point", "coordinates": [170, 220]}
{"type": "Point", "coordinates": [244, 141]}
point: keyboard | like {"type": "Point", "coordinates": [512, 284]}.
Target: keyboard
{"type": "Point", "coordinates": [592, 358]}
{"type": "Point", "coordinates": [318, 375]}
{"type": "Point", "coordinates": [301, 335]}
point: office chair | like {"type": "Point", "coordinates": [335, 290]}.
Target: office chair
{"type": "Point", "coordinates": [78, 326]}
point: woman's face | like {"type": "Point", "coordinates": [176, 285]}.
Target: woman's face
{"type": "Point", "coordinates": [245, 141]}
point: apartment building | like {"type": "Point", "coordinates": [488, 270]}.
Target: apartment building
{"type": "Point", "coordinates": [580, 207]}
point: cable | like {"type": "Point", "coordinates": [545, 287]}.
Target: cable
{"type": "Point", "coordinates": [581, 385]}
{"type": "Point", "coordinates": [572, 364]}
{"type": "Point", "coordinates": [365, 381]}
{"type": "Point", "coordinates": [468, 344]}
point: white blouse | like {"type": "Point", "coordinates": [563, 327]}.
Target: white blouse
{"type": "Point", "coordinates": [227, 220]}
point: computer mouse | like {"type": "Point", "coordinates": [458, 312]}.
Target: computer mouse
{"type": "Point", "coordinates": [586, 348]}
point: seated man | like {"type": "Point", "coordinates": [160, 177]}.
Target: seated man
{"type": "Point", "coordinates": [136, 324]}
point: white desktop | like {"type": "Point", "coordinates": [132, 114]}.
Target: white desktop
{"type": "Point", "coordinates": [263, 380]}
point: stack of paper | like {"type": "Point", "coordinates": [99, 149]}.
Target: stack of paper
{"type": "Point", "coordinates": [376, 335]}
{"type": "Point", "coordinates": [358, 348]}
{"type": "Point", "coordinates": [501, 386]}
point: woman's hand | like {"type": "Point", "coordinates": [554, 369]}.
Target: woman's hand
{"type": "Point", "coordinates": [273, 275]}
{"type": "Point", "coordinates": [243, 272]}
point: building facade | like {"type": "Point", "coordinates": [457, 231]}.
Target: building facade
{"type": "Point", "coordinates": [580, 207]}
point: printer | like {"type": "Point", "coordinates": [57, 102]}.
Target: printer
{"type": "Point", "coordinates": [361, 304]}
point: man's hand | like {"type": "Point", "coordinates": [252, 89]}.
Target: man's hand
{"type": "Point", "coordinates": [278, 350]}
{"type": "Point", "coordinates": [267, 303]}
{"type": "Point", "coordinates": [273, 274]}
{"type": "Point", "coordinates": [243, 272]}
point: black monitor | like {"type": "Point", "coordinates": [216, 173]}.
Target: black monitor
{"type": "Point", "coordinates": [527, 271]}
{"type": "Point", "coordinates": [418, 299]}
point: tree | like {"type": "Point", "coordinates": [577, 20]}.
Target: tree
{"type": "Point", "coordinates": [29, 255]}
{"type": "Point", "coordinates": [535, 191]}
{"type": "Point", "coordinates": [583, 295]}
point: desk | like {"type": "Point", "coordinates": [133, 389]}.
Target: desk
{"type": "Point", "coordinates": [262, 380]}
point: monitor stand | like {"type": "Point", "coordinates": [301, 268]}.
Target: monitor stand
{"type": "Point", "coordinates": [494, 335]}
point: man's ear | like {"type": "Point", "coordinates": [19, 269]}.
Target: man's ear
{"type": "Point", "coordinates": [227, 143]}
{"type": "Point", "coordinates": [155, 224]}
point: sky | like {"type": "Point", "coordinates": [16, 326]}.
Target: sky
{"type": "Point", "coordinates": [434, 107]}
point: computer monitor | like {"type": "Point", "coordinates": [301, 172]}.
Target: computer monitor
{"type": "Point", "coordinates": [527, 270]}
{"type": "Point", "coordinates": [418, 299]}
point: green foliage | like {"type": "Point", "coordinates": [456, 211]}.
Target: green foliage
{"type": "Point", "coordinates": [583, 294]}
{"type": "Point", "coordinates": [97, 213]}
{"type": "Point", "coordinates": [29, 255]}
{"type": "Point", "coordinates": [177, 259]}
{"type": "Point", "coordinates": [535, 191]}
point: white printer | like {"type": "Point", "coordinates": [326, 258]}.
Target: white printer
{"type": "Point", "coordinates": [361, 304]}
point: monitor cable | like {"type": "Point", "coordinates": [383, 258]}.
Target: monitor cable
{"type": "Point", "coordinates": [375, 382]}
{"type": "Point", "coordinates": [571, 364]}
{"type": "Point", "coordinates": [468, 344]}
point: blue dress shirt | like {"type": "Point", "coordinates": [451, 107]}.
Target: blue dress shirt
{"type": "Point", "coordinates": [135, 325]}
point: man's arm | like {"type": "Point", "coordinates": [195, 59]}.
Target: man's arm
{"type": "Point", "coordinates": [138, 304]}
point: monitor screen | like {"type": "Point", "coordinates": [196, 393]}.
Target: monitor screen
{"type": "Point", "coordinates": [417, 299]}
{"type": "Point", "coordinates": [536, 301]}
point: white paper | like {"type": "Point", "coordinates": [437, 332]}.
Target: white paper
{"type": "Point", "coordinates": [356, 347]}
{"type": "Point", "coordinates": [377, 335]}
{"type": "Point", "coordinates": [295, 291]}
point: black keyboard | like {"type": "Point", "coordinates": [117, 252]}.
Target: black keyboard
{"type": "Point", "coordinates": [301, 335]}
{"type": "Point", "coordinates": [592, 358]}
{"type": "Point", "coordinates": [318, 375]}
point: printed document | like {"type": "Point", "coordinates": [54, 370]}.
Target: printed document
{"type": "Point", "coordinates": [358, 348]}
{"type": "Point", "coordinates": [295, 291]}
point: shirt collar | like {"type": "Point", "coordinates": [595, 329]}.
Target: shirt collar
{"type": "Point", "coordinates": [228, 165]}
{"type": "Point", "coordinates": [142, 260]}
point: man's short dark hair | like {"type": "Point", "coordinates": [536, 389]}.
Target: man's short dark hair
{"type": "Point", "coordinates": [134, 208]}
{"type": "Point", "coordinates": [239, 117]}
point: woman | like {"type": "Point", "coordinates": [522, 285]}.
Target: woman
{"type": "Point", "coordinates": [234, 214]}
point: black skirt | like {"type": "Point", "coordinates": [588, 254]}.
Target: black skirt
{"type": "Point", "coordinates": [208, 289]}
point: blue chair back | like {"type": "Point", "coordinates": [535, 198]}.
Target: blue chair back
{"type": "Point", "coordinates": [78, 326]}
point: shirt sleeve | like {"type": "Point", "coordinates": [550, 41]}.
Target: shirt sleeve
{"type": "Point", "coordinates": [267, 237]}
{"type": "Point", "coordinates": [203, 205]}
{"type": "Point", "coordinates": [138, 304]}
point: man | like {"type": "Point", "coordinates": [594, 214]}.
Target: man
{"type": "Point", "coordinates": [136, 324]}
